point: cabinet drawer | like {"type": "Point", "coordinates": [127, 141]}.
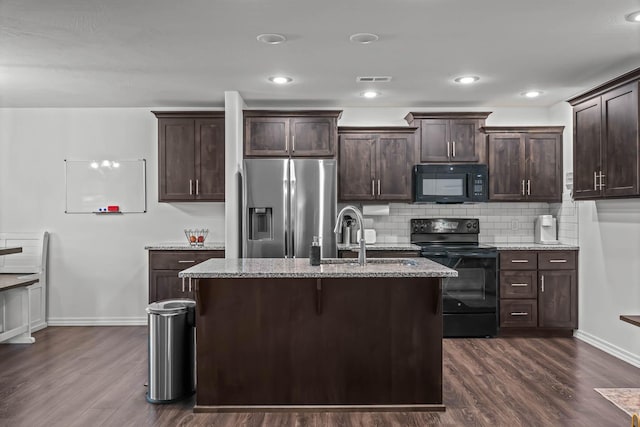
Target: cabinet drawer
{"type": "Point", "coordinates": [180, 260]}
{"type": "Point", "coordinates": [519, 313]}
{"type": "Point", "coordinates": [518, 284]}
{"type": "Point", "coordinates": [518, 260]}
{"type": "Point", "coordinates": [557, 260]}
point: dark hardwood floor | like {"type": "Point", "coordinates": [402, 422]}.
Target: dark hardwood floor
{"type": "Point", "coordinates": [94, 376]}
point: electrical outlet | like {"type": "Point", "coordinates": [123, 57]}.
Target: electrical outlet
{"type": "Point", "coordinates": [514, 225]}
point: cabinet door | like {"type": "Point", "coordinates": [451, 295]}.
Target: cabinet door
{"type": "Point", "coordinates": [266, 136]}
{"type": "Point", "coordinates": [313, 136]}
{"type": "Point", "coordinates": [620, 141]}
{"type": "Point", "coordinates": [210, 160]}
{"type": "Point", "coordinates": [557, 299]}
{"type": "Point", "coordinates": [463, 140]}
{"type": "Point", "coordinates": [176, 159]}
{"type": "Point", "coordinates": [165, 284]}
{"type": "Point", "coordinates": [506, 167]}
{"type": "Point", "coordinates": [587, 138]}
{"type": "Point", "coordinates": [394, 167]}
{"type": "Point", "coordinates": [435, 141]}
{"type": "Point", "coordinates": [356, 176]}
{"type": "Point", "coordinates": [543, 167]}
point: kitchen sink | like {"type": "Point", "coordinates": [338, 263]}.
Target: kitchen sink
{"type": "Point", "coordinates": [372, 261]}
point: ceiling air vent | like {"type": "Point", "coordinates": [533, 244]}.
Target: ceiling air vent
{"type": "Point", "coordinates": [373, 79]}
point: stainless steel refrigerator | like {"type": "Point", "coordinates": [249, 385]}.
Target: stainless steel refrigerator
{"type": "Point", "coordinates": [286, 202]}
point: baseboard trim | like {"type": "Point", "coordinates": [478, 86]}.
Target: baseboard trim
{"type": "Point", "coordinates": [607, 347]}
{"type": "Point", "coordinates": [97, 321]}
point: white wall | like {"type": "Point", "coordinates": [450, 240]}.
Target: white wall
{"type": "Point", "coordinates": [98, 265]}
{"type": "Point", "coordinates": [609, 276]}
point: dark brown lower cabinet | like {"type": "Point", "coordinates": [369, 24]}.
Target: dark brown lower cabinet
{"type": "Point", "coordinates": [308, 341]}
{"type": "Point", "coordinates": [164, 267]}
{"type": "Point", "coordinates": [538, 292]}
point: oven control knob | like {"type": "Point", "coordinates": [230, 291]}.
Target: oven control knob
{"type": "Point", "coordinates": [468, 225]}
{"type": "Point", "coordinates": [475, 225]}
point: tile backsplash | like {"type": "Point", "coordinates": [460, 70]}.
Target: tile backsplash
{"type": "Point", "coordinates": [499, 222]}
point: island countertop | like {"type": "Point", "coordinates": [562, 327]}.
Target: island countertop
{"type": "Point", "coordinates": [300, 268]}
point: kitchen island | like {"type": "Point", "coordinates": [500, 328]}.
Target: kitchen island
{"type": "Point", "coordinates": [279, 334]}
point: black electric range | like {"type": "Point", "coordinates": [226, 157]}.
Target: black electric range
{"type": "Point", "coordinates": [470, 301]}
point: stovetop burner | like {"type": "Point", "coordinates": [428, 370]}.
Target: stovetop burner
{"type": "Point", "coordinates": [450, 234]}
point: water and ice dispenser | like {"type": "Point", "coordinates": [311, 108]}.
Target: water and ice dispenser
{"type": "Point", "coordinates": [260, 224]}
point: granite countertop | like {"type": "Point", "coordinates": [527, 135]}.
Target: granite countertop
{"type": "Point", "coordinates": [300, 268]}
{"type": "Point", "coordinates": [380, 247]}
{"type": "Point", "coordinates": [182, 246]}
{"type": "Point", "coordinates": [536, 247]}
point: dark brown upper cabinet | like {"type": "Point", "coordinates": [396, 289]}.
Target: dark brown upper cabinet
{"type": "Point", "coordinates": [269, 133]}
{"type": "Point", "coordinates": [450, 137]}
{"type": "Point", "coordinates": [190, 156]}
{"type": "Point", "coordinates": [525, 163]}
{"type": "Point", "coordinates": [605, 140]}
{"type": "Point", "coordinates": [375, 163]}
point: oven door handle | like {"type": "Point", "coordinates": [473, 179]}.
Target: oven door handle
{"type": "Point", "coordinates": [472, 255]}
{"type": "Point", "coordinates": [435, 255]}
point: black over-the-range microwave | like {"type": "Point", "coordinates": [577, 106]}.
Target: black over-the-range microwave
{"type": "Point", "coordinates": [450, 183]}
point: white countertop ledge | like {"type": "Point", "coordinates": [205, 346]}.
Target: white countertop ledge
{"type": "Point", "coordinates": [179, 246]}
{"type": "Point", "coordinates": [380, 247]}
{"type": "Point", "coordinates": [300, 268]}
{"type": "Point", "coordinates": [536, 247]}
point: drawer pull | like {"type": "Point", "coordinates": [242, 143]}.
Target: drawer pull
{"type": "Point", "coordinates": [557, 260]}
{"type": "Point", "coordinates": [186, 261]}
{"type": "Point", "coordinates": [519, 313]}
{"type": "Point", "coordinates": [520, 285]}
{"type": "Point", "coordinates": [516, 261]}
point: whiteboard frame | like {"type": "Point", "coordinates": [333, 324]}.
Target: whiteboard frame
{"type": "Point", "coordinates": [143, 163]}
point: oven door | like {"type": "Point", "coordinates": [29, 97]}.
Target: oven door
{"type": "Point", "coordinates": [475, 288]}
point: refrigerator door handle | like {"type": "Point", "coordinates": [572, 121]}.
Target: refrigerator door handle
{"type": "Point", "coordinates": [285, 189]}
{"type": "Point", "coordinates": [294, 206]}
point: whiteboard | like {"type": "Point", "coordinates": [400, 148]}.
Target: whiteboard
{"type": "Point", "coordinates": [92, 185]}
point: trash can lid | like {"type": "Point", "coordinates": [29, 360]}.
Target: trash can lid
{"type": "Point", "coordinates": [171, 306]}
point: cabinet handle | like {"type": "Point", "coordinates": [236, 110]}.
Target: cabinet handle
{"type": "Point", "coordinates": [448, 149]}
{"type": "Point", "coordinates": [378, 187]}
{"type": "Point", "coordinates": [595, 181]}
{"type": "Point", "coordinates": [286, 143]}
{"type": "Point", "coordinates": [519, 285]}
{"type": "Point", "coordinates": [189, 284]}
{"type": "Point", "coordinates": [528, 187]}
{"type": "Point", "coordinates": [519, 313]}
{"type": "Point", "coordinates": [191, 187]}
{"type": "Point", "coordinates": [542, 283]}
{"type": "Point", "coordinates": [557, 260]}
{"type": "Point", "coordinates": [197, 187]}
{"type": "Point", "coordinates": [186, 261]}
{"type": "Point", "coordinates": [602, 185]}
{"type": "Point", "coordinates": [293, 144]}
{"type": "Point", "coordinates": [523, 187]}
{"type": "Point", "coordinates": [516, 261]}
{"type": "Point", "coordinates": [183, 284]}
{"type": "Point", "coordinates": [453, 149]}
{"type": "Point", "coordinates": [373, 187]}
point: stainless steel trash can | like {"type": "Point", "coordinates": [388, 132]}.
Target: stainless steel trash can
{"type": "Point", "coordinates": [171, 350]}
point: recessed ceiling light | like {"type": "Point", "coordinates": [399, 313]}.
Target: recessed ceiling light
{"type": "Point", "coordinates": [280, 80]}
{"type": "Point", "coordinates": [633, 17]}
{"type": "Point", "coordinates": [466, 80]}
{"type": "Point", "coordinates": [532, 93]}
{"type": "Point", "coordinates": [370, 94]}
{"type": "Point", "coordinates": [271, 38]}
{"type": "Point", "coordinates": [363, 38]}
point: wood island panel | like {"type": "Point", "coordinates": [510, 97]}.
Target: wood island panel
{"type": "Point", "coordinates": [344, 342]}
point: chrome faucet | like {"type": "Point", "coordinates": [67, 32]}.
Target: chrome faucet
{"type": "Point", "coordinates": [362, 256]}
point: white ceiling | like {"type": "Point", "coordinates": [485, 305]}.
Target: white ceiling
{"type": "Point", "coordinates": [187, 53]}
